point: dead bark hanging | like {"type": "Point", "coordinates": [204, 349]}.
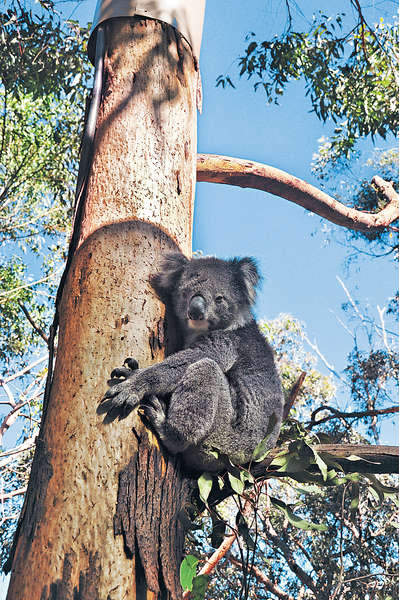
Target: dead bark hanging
{"type": "Point", "coordinates": [213, 168]}
{"type": "Point", "coordinates": [153, 529]}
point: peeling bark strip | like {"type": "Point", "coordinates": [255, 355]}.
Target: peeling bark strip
{"type": "Point", "coordinates": [152, 530]}
{"type": "Point", "coordinates": [248, 174]}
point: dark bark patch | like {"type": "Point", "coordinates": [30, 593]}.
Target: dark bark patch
{"type": "Point", "coordinates": [152, 492]}
{"type": "Point", "coordinates": [157, 338]}
{"type": "Point", "coordinates": [63, 589]}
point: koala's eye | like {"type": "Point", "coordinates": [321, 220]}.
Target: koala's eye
{"type": "Point", "coordinates": [219, 299]}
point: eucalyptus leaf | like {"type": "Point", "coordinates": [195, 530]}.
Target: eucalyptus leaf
{"type": "Point", "coordinates": [200, 583]}
{"type": "Point", "coordinates": [296, 521]}
{"type": "Point", "coordinates": [188, 569]}
{"type": "Point", "coordinates": [205, 485]}
{"type": "Point", "coordinates": [236, 484]}
{"type": "Point", "coordinates": [321, 464]}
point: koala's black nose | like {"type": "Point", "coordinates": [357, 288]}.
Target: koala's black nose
{"type": "Point", "coordinates": [196, 308]}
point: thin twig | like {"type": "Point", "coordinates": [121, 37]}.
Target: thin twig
{"type": "Point", "coordinates": [363, 26]}
{"type": "Point", "coordinates": [36, 327]}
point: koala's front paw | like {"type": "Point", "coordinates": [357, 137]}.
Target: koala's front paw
{"type": "Point", "coordinates": [154, 410]}
{"type": "Point", "coordinates": [122, 396]}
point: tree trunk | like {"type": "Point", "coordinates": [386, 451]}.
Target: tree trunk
{"type": "Point", "coordinates": [100, 519]}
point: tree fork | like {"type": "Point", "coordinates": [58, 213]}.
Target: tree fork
{"type": "Point", "coordinates": [91, 481]}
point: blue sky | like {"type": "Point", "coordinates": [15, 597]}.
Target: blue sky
{"type": "Point", "coordinates": [299, 265]}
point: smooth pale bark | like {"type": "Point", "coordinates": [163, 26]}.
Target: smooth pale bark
{"type": "Point", "coordinates": [139, 205]}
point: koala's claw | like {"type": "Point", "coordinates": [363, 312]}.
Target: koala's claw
{"type": "Point", "coordinates": [120, 399]}
{"type": "Point", "coordinates": [126, 371]}
{"type": "Point", "coordinates": [154, 410]}
{"type": "Point", "coordinates": [131, 363]}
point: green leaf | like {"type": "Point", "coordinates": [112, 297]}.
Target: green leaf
{"type": "Point", "coordinates": [213, 453]}
{"type": "Point", "coordinates": [188, 569]}
{"type": "Point", "coordinates": [218, 532]}
{"type": "Point", "coordinates": [236, 484]}
{"type": "Point", "coordinates": [205, 485]}
{"type": "Point", "coordinates": [200, 583]}
{"type": "Point", "coordinates": [262, 449]}
{"type": "Point", "coordinates": [321, 464]}
{"type": "Point", "coordinates": [246, 476]}
{"type": "Point", "coordinates": [296, 521]}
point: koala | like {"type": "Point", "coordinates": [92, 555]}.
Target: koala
{"type": "Point", "coordinates": [221, 392]}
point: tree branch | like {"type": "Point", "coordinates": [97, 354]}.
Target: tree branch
{"type": "Point", "coordinates": [9, 495]}
{"type": "Point", "coordinates": [264, 580]}
{"type": "Point", "coordinates": [248, 174]}
{"type": "Point", "coordinates": [338, 414]}
{"type": "Point", "coordinates": [277, 542]}
{"type": "Point", "coordinates": [374, 459]}
{"type": "Point", "coordinates": [24, 370]}
{"type": "Point", "coordinates": [220, 552]}
{"type": "Point", "coordinates": [36, 327]}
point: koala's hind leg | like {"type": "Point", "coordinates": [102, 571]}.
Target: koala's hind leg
{"type": "Point", "coordinates": [200, 400]}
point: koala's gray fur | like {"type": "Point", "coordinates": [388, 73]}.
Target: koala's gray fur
{"type": "Point", "coordinates": [222, 388]}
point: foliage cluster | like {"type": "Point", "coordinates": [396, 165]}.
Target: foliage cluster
{"type": "Point", "coordinates": [44, 72]}
{"type": "Point", "coordinates": [350, 74]}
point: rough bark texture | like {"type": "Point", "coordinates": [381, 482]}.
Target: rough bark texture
{"type": "Point", "coordinates": [138, 205]}
{"type": "Point", "coordinates": [248, 174]}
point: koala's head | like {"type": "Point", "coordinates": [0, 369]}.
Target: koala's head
{"type": "Point", "coordinates": [207, 293]}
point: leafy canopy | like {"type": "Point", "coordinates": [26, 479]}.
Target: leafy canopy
{"type": "Point", "coordinates": [349, 69]}
{"type": "Point", "coordinates": [43, 79]}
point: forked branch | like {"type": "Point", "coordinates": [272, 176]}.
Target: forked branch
{"type": "Point", "coordinates": [213, 168]}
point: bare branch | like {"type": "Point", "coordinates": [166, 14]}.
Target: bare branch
{"type": "Point", "coordinates": [11, 417]}
{"type": "Point", "coordinates": [26, 445]}
{"type": "Point", "coordinates": [263, 579]}
{"type": "Point", "coordinates": [25, 369]}
{"type": "Point", "coordinates": [36, 327]}
{"type": "Point", "coordinates": [9, 495]}
{"type": "Point", "coordinates": [338, 414]}
{"type": "Point", "coordinates": [30, 284]}
{"type": "Point", "coordinates": [8, 392]}
{"type": "Point", "coordinates": [329, 366]}
{"type": "Point", "coordinates": [213, 168]}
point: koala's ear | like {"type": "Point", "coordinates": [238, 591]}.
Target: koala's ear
{"type": "Point", "coordinates": [165, 280]}
{"type": "Point", "coordinates": [250, 276]}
